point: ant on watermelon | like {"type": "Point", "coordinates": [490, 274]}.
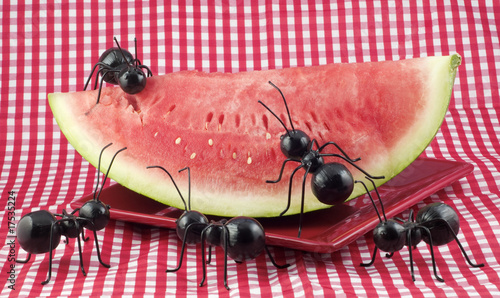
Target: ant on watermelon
{"type": "Point", "coordinates": [242, 238]}
{"type": "Point", "coordinates": [331, 183]}
{"type": "Point", "coordinates": [40, 231]}
{"type": "Point", "coordinates": [117, 66]}
{"type": "Point", "coordinates": [436, 224]}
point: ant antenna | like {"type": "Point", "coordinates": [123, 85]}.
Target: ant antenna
{"type": "Point", "coordinates": [109, 168]}
{"type": "Point", "coordinates": [99, 169]}
{"type": "Point", "coordinates": [136, 61]}
{"type": "Point", "coordinates": [123, 54]}
{"type": "Point", "coordinates": [282, 123]}
{"type": "Point", "coordinates": [378, 195]}
{"type": "Point", "coordinates": [189, 185]}
{"type": "Point", "coordinates": [171, 178]}
{"type": "Point", "coordinates": [286, 106]}
{"type": "Point", "coordinates": [371, 198]}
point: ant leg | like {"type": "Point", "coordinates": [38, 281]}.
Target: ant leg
{"type": "Point", "coordinates": [461, 247]}
{"type": "Point", "coordinates": [203, 261]}
{"type": "Point", "coordinates": [96, 245]}
{"type": "Point", "coordinates": [354, 165]}
{"type": "Point", "coordinates": [340, 149]}
{"type": "Point", "coordinates": [372, 260]}
{"type": "Point", "coordinates": [302, 201]}
{"type": "Point", "coordinates": [50, 254]}
{"type": "Point", "coordinates": [100, 85]}
{"type": "Point", "coordinates": [24, 261]}
{"type": "Point", "coordinates": [80, 253]}
{"type": "Point", "coordinates": [282, 168]}
{"type": "Point", "coordinates": [209, 259]}
{"type": "Point", "coordinates": [389, 255]}
{"type": "Point", "coordinates": [83, 236]}
{"type": "Point", "coordinates": [150, 73]}
{"type": "Point", "coordinates": [183, 247]}
{"type": "Point", "coordinates": [290, 190]}
{"type": "Point", "coordinates": [408, 240]}
{"type": "Point", "coordinates": [92, 72]}
{"type": "Point", "coordinates": [273, 261]}
{"type": "Point", "coordinates": [225, 256]}
{"type": "Point", "coordinates": [432, 252]}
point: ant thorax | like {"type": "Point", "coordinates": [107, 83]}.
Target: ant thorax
{"type": "Point", "coordinates": [313, 159]}
{"type": "Point", "coordinates": [214, 233]}
{"type": "Point", "coordinates": [70, 226]}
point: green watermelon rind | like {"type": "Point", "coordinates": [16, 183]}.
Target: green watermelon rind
{"type": "Point", "coordinates": [158, 186]}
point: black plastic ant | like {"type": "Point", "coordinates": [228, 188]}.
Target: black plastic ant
{"type": "Point", "coordinates": [40, 231]}
{"type": "Point", "coordinates": [332, 183]}
{"type": "Point", "coordinates": [242, 238]}
{"type": "Point", "coordinates": [436, 224]}
{"type": "Point", "coordinates": [118, 67]}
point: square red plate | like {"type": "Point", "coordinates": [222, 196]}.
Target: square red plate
{"type": "Point", "coordinates": [323, 231]}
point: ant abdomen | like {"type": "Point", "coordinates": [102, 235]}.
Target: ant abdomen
{"type": "Point", "coordinates": [442, 222]}
{"type": "Point", "coordinates": [332, 183]}
{"type": "Point", "coordinates": [246, 238]}
{"type": "Point", "coordinates": [114, 58]}
{"type": "Point", "coordinates": [32, 231]}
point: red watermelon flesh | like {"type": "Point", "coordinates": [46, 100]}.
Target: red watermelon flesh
{"type": "Point", "coordinates": [384, 112]}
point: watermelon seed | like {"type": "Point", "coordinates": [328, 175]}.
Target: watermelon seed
{"type": "Point", "coordinates": [265, 121]}
{"type": "Point", "coordinates": [253, 119]}
{"type": "Point", "coordinates": [249, 160]}
{"type": "Point", "coordinates": [308, 124]}
{"type": "Point", "coordinates": [315, 118]}
{"type": "Point", "coordinates": [193, 155]}
{"type": "Point", "coordinates": [221, 120]}
{"type": "Point", "coordinates": [237, 120]}
{"type": "Point", "coordinates": [268, 136]}
{"type": "Point", "coordinates": [171, 109]}
{"type": "Point", "coordinates": [156, 134]}
{"type": "Point", "coordinates": [209, 117]}
{"type": "Point", "coordinates": [210, 142]}
{"type": "Point", "coordinates": [178, 141]}
{"type": "Point", "coordinates": [327, 126]}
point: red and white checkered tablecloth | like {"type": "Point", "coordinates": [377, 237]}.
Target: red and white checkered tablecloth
{"type": "Point", "coordinates": [52, 47]}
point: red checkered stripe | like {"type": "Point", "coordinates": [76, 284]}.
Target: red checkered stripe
{"type": "Point", "coordinates": [52, 47]}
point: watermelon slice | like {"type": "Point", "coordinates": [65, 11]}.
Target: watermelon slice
{"type": "Point", "coordinates": [384, 112]}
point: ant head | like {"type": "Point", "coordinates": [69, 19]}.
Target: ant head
{"type": "Point", "coordinates": [196, 222]}
{"type": "Point", "coordinates": [389, 236]}
{"type": "Point", "coordinates": [97, 195]}
{"type": "Point", "coordinates": [295, 144]}
{"type": "Point", "coordinates": [97, 212]}
{"type": "Point", "coordinates": [132, 80]}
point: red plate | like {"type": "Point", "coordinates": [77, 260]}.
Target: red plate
{"type": "Point", "coordinates": [323, 231]}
